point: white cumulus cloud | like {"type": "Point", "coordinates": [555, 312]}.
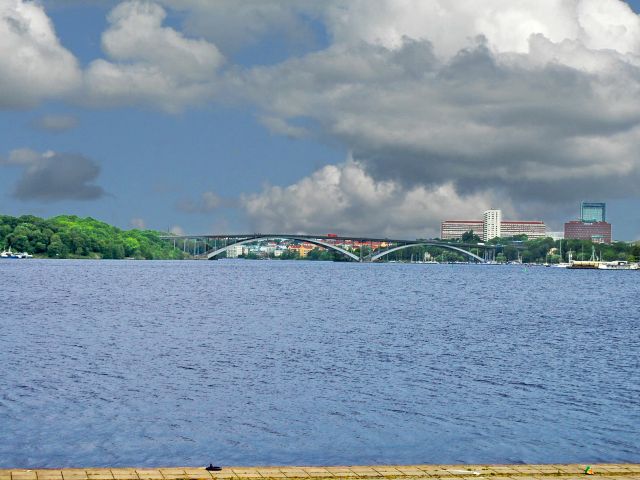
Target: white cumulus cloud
{"type": "Point", "coordinates": [537, 102]}
{"type": "Point", "coordinates": [345, 199]}
{"type": "Point", "coordinates": [151, 64]}
{"type": "Point", "coordinates": [34, 66]}
{"type": "Point", "coordinates": [507, 25]}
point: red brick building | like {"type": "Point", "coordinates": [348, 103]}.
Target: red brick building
{"type": "Point", "coordinates": [598, 232]}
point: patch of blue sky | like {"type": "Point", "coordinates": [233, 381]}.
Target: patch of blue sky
{"type": "Point", "coordinates": [169, 157]}
{"type": "Point", "coordinates": [635, 4]}
{"type": "Point", "coordinates": [79, 28]}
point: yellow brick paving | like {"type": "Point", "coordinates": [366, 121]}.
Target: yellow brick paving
{"type": "Point", "coordinates": [607, 471]}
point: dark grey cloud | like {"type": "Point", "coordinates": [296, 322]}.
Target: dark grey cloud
{"type": "Point", "coordinates": [51, 177]}
{"type": "Point", "coordinates": [536, 132]}
{"type": "Point", "coordinates": [450, 105]}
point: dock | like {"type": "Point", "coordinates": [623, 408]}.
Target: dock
{"type": "Point", "coordinates": [606, 471]}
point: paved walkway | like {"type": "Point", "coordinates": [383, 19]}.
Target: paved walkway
{"type": "Point", "coordinates": [462, 472]}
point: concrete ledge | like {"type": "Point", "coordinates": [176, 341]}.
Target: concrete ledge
{"type": "Point", "coordinates": [609, 471]}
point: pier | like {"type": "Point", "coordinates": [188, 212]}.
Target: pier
{"type": "Point", "coordinates": [512, 472]}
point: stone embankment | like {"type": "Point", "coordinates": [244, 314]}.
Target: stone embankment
{"type": "Point", "coordinates": [399, 472]}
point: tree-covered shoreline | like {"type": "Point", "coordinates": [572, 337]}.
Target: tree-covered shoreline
{"type": "Point", "coordinates": [69, 236]}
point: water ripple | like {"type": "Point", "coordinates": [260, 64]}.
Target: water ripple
{"type": "Point", "coordinates": [175, 363]}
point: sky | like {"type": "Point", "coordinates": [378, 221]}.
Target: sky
{"type": "Point", "coordinates": [357, 117]}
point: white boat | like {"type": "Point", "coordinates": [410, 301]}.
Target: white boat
{"type": "Point", "coordinates": [564, 264]}
{"type": "Point", "coordinates": [618, 265]}
{"type": "Point", "coordinates": [13, 255]}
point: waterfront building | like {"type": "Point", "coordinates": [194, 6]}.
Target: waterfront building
{"type": "Point", "coordinates": [279, 252]}
{"type": "Point", "coordinates": [235, 251]}
{"type": "Point", "coordinates": [454, 229]}
{"type": "Point", "coordinates": [532, 229]}
{"type": "Point", "coordinates": [269, 249]}
{"type": "Point", "coordinates": [302, 249]}
{"type": "Point", "coordinates": [492, 224]}
{"type": "Point", "coordinates": [593, 212]}
{"type": "Point", "coordinates": [597, 232]}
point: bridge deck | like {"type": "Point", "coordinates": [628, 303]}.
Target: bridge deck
{"type": "Point", "coordinates": [463, 472]}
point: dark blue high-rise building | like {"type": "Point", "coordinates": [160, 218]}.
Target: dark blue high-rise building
{"type": "Point", "coordinates": [593, 212]}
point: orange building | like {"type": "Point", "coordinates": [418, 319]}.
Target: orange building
{"type": "Point", "coordinates": [302, 249]}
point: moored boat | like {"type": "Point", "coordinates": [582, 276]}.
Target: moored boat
{"type": "Point", "coordinates": [8, 254]}
{"type": "Point", "coordinates": [618, 265]}
{"type": "Point", "coordinates": [584, 265]}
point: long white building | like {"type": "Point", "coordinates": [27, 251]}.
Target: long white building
{"type": "Point", "coordinates": [492, 226]}
{"type": "Point", "coordinates": [534, 229]}
{"type": "Point", "coordinates": [453, 229]}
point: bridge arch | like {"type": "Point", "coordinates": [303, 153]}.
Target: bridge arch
{"type": "Point", "coordinates": [429, 244]}
{"type": "Point", "coordinates": [214, 253]}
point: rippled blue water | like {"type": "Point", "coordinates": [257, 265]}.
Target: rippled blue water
{"type": "Point", "coordinates": [246, 362]}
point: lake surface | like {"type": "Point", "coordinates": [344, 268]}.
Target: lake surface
{"type": "Point", "coordinates": [118, 363]}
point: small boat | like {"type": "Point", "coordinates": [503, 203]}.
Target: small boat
{"type": "Point", "coordinates": [618, 265]}
{"type": "Point", "coordinates": [7, 254]}
{"type": "Point", "coordinates": [14, 255]}
{"type": "Point", "coordinates": [564, 264]}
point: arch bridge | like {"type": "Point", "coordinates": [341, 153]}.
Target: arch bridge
{"type": "Point", "coordinates": [214, 245]}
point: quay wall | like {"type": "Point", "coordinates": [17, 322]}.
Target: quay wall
{"type": "Point", "coordinates": [463, 472]}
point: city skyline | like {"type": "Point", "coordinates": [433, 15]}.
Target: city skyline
{"type": "Point", "coordinates": [590, 225]}
{"type": "Point", "coordinates": [307, 117]}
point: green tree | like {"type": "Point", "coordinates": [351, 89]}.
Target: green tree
{"type": "Point", "coordinates": [131, 246]}
{"type": "Point", "coordinates": [56, 248]}
{"type": "Point", "coordinates": [470, 237]}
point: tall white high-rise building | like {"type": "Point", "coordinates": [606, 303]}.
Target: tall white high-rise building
{"type": "Point", "coordinates": [492, 220]}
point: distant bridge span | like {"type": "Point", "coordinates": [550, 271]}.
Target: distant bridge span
{"type": "Point", "coordinates": [379, 255]}
{"type": "Point", "coordinates": [214, 253]}
{"type": "Point", "coordinates": [326, 241]}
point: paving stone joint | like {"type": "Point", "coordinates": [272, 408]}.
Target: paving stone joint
{"type": "Point", "coordinates": [392, 472]}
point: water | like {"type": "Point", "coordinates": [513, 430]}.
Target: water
{"type": "Point", "coordinates": [120, 363]}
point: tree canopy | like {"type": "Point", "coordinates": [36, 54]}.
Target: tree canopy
{"type": "Point", "coordinates": [470, 237]}
{"type": "Point", "coordinates": [69, 236]}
